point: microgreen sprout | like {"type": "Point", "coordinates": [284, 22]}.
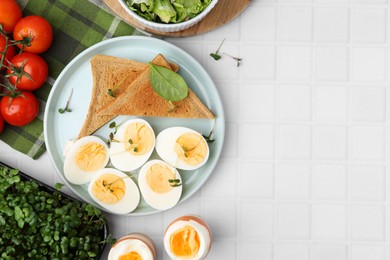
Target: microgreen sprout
{"type": "Point", "coordinates": [234, 58]}
{"type": "Point", "coordinates": [66, 108]}
{"type": "Point", "coordinates": [215, 54]}
{"type": "Point", "coordinates": [208, 137]}
{"type": "Point", "coordinates": [111, 92]}
{"type": "Point", "coordinates": [174, 182]}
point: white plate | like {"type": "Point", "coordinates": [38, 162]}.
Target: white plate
{"type": "Point", "coordinates": [58, 128]}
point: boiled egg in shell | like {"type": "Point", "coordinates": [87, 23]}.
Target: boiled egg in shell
{"type": "Point", "coordinates": [188, 237]}
{"type": "Point", "coordinates": [160, 184]}
{"type": "Point", "coordinates": [86, 156]}
{"type": "Point", "coordinates": [114, 191]}
{"type": "Point", "coordinates": [182, 147]}
{"type": "Point", "coordinates": [134, 246]}
{"type": "Point", "coordinates": [132, 145]}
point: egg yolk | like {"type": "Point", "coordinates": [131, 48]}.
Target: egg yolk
{"type": "Point", "coordinates": [109, 188]}
{"type": "Point", "coordinates": [90, 156]}
{"type": "Point", "coordinates": [130, 256]}
{"type": "Point", "coordinates": [191, 148]}
{"type": "Point", "coordinates": [138, 138]}
{"type": "Point", "coordinates": [158, 176]}
{"type": "Point", "coordinates": [185, 242]}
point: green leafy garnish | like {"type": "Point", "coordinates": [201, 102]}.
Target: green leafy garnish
{"type": "Point", "coordinates": [66, 108]}
{"type": "Point", "coordinates": [174, 182]}
{"type": "Point", "coordinates": [215, 54]}
{"type": "Point", "coordinates": [111, 92]}
{"type": "Point", "coordinates": [234, 58]}
{"type": "Point", "coordinates": [167, 83]}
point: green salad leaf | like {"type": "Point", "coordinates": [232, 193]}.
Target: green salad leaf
{"type": "Point", "coordinates": [167, 83]}
{"type": "Point", "coordinates": [167, 11]}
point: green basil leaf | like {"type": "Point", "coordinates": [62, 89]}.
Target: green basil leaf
{"type": "Point", "coordinates": [167, 83]}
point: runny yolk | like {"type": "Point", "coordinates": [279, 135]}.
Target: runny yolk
{"type": "Point", "coordinates": [191, 148]}
{"type": "Point", "coordinates": [158, 176]}
{"type": "Point", "coordinates": [138, 138]}
{"type": "Point", "coordinates": [109, 188]}
{"type": "Point", "coordinates": [185, 242]}
{"type": "Point", "coordinates": [130, 256]}
{"type": "Point", "coordinates": [90, 156]}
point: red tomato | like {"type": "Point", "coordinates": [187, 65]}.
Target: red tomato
{"type": "Point", "coordinates": [9, 54]}
{"type": "Point", "coordinates": [20, 110]}
{"type": "Point", "coordinates": [10, 14]}
{"type": "Point", "coordinates": [1, 124]}
{"type": "Point", "coordinates": [32, 64]}
{"type": "Point", "coordinates": [36, 32]}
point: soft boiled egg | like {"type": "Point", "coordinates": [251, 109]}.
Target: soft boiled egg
{"type": "Point", "coordinates": [134, 246]}
{"type": "Point", "coordinates": [188, 237]}
{"type": "Point", "coordinates": [114, 191]}
{"type": "Point", "coordinates": [132, 145]}
{"type": "Point", "coordinates": [182, 148]}
{"type": "Point", "coordinates": [84, 158]}
{"type": "Point", "coordinates": [160, 184]}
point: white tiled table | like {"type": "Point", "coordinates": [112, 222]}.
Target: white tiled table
{"type": "Point", "coordinates": [304, 173]}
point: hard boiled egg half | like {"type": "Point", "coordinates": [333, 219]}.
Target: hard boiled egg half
{"type": "Point", "coordinates": [86, 156]}
{"type": "Point", "coordinates": [114, 191]}
{"type": "Point", "coordinates": [134, 246]}
{"type": "Point", "coordinates": [160, 184]}
{"type": "Point", "coordinates": [188, 237]}
{"type": "Point", "coordinates": [182, 148]}
{"type": "Point", "coordinates": [132, 145]}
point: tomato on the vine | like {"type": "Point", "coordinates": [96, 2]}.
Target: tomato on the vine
{"type": "Point", "coordinates": [27, 71]}
{"type": "Point", "coordinates": [20, 110]}
{"type": "Point", "coordinates": [10, 14]}
{"type": "Point", "coordinates": [35, 32]}
{"type": "Point", "coordinates": [9, 54]}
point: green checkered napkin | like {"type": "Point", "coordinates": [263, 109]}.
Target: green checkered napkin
{"type": "Point", "coordinates": [77, 25]}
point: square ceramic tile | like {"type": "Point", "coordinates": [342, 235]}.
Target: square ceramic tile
{"type": "Point", "coordinates": [332, 24]}
{"type": "Point", "coordinates": [257, 102]}
{"type": "Point", "coordinates": [368, 25]}
{"type": "Point", "coordinates": [294, 142]}
{"type": "Point", "coordinates": [296, 23]}
{"type": "Point", "coordinates": [231, 32]}
{"type": "Point", "coordinates": [295, 102]}
{"type": "Point", "coordinates": [147, 225]}
{"type": "Point", "coordinates": [295, 63]}
{"type": "Point", "coordinates": [331, 63]}
{"type": "Point", "coordinates": [369, 64]}
{"type": "Point", "coordinates": [329, 252]}
{"type": "Point", "coordinates": [229, 93]}
{"type": "Point", "coordinates": [331, 103]}
{"type": "Point", "coordinates": [367, 182]}
{"type": "Point", "coordinates": [292, 251]}
{"type": "Point", "coordinates": [367, 143]}
{"type": "Point", "coordinates": [257, 141]}
{"type": "Point", "coordinates": [329, 222]}
{"type": "Point", "coordinates": [373, 2]}
{"type": "Point", "coordinates": [230, 149]}
{"type": "Point", "coordinates": [294, 181]}
{"type": "Point", "coordinates": [194, 48]}
{"type": "Point", "coordinates": [192, 206]}
{"type": "Point", "coordinates": [214, 211]}
{"type": "Point", "coordinates": [367, 223]}
{"type": "Point", "coordinates": [330, 142]}
{"type": "Point", "coordinates": [256, 180]}
{"type": "Point", "coordinates": [259, 24]}
{"type": "Point", "coordinates": [263, 251]}
{"type": "Point", "coordinates": [222, 183]}
{"type": "Point", "coordinates": [259, 62]}
{"type": "Point", "coordinates": [293, 221]}
{"type": "Point", "coordinates": [368, 104]}
{"type": "Point", "coordinates": [329, 181]}
{"type": "Point", "coordinates": [256, 220]}
{"type": "Point", "coordinates": [363, 252]}
{"type": "Point", "coordinates": [341, 2]}
{"type": "Point", "coordinates": [223, 250]}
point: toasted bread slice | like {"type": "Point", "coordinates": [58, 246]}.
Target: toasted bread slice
{"type": "Point", "coordinates": [109, 72]}
{"type": "Point", "coordinates": [140, 99]}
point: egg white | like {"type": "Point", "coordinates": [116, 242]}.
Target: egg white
{"type": "Point", "coordinates": [72, 172]}
{"type": "Point", "coordinates": [165, 147]}
{"type": "Point", "coordinates": [120, 158]}
{"type": "Point", "coordinates": [157, 200]}
{"type": "Point", "coordinates": [131, 198]}
{"type": "Point", "coordinates": [203, 233]}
